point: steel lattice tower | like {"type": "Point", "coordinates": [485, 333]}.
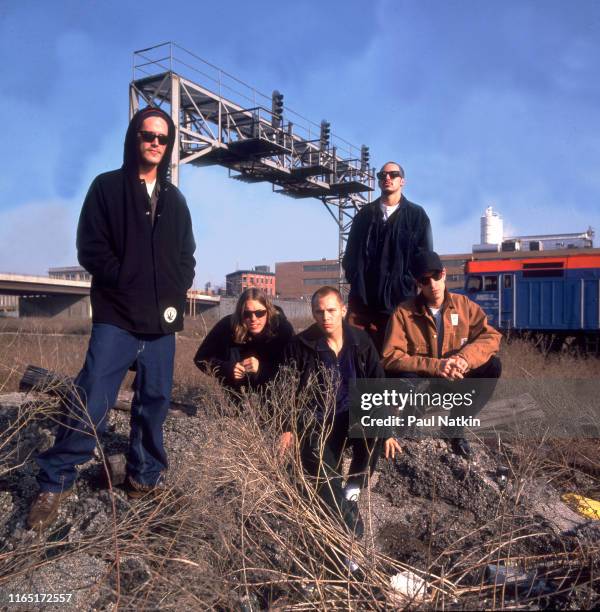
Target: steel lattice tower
{"type": "Point", "coordinates": [221, 120]}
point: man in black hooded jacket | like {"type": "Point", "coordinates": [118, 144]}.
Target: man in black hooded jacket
{"type": "Point", "coordinates": [135, 238]}
{"type": "Point", "coordinates": [385, 237]}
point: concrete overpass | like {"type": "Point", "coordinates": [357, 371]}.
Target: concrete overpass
{"type": "Point", "coordinates": [42, 296]}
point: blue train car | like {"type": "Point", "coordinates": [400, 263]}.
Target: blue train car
{"type": "Point", "coordinates": [554, 295]}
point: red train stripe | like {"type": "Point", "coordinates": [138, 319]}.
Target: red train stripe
{"type": "Point", "coordinates": [570, 262]}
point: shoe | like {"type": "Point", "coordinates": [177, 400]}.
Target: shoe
{"type": "Point", "coordinates": [352, 493]}
{"type": "Point", "coordinates": [137, 490]}
{"type": "Point", "coordinates": [461, 447]}
{"type": "Point", "coordinates": [44, 509]}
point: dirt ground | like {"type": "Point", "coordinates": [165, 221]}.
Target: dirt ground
{"type": "Point", "coordinates": [234, 531]}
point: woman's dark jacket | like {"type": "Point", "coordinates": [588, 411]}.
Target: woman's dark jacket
{"type": "Point", "coordinates": [305, 353]}
{"type": "Point", "coordinates": [379, 255]}
{"type": "Point", "coordinates": [141, 270]}
{"type": "Point", "coordinates": [219, 352]}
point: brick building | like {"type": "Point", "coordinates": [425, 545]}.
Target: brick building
{"type": "Point", "coordinates": [300, 279]}
{"type": "Point", "coordinates": [260, 277]}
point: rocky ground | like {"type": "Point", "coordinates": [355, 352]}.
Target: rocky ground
{"type": "Point", "coordinates": [217, 539]}
{"type": "Point", "coordinates": [461, 519]}
{"type": "Point", "coordinates": [75, 556]}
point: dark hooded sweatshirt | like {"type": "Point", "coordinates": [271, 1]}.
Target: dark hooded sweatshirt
{"type": "Point", "coordinates": [141, 268]}
{"type": "Point", "coordinates": [379, 255]}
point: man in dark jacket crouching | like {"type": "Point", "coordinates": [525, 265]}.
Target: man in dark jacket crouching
{"type": "Point", "coordinates": [331, 349]}
{"type": "Point", "coordinates": [135, 238]}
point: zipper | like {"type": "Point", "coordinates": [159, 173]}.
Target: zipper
{"type": "Point", "coordinates": [152, 239]}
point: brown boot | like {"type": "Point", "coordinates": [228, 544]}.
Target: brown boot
{"type": "Point", "coordinates": [44, 509]}
{"type": "Point", "coordinates": [137, 490]}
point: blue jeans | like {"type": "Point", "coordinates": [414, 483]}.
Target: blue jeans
{"type": "Point", "coordinates": [111, 352]}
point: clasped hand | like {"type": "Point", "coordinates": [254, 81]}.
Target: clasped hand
{"type": "Point", "coordinates": [453, 368]}
{"type": "Point", "coordinates": [249, 365]}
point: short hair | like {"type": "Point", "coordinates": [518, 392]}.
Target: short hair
{"type": "Point", "coordinates": [324, 292]}
{"type": "Point", "coordinates": [395, 164]}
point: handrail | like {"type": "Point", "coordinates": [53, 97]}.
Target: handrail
{"type": "Point", "coordinates": [173, 60]}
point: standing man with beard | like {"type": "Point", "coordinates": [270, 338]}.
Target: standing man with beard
{"type": "Point", "coordinates": [135, 238]}
{"type": "Point", "coordinates": [384, 238]}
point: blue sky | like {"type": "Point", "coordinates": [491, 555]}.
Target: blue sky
{"type": "Point", "coordinates": [483, 102]}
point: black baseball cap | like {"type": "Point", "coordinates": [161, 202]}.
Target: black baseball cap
{"type": "Point", "coordinates": [426, 261]}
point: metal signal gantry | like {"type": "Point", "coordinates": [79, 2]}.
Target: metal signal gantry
{"type": "Point", "coordinates": [220, 120]}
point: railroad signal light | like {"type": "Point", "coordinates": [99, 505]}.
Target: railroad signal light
{"type": "Point", "coordinates": [325, 137]}
{"type": "Point", "coordinates": [364, 158]}
{"type": "Point", "coordinates": [277, 109]}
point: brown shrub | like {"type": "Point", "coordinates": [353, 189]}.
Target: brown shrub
{"type": "Point", "coordinates": [234, 523]}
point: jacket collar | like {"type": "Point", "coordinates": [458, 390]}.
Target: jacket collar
{"type": "Point", "coordinates": [312, 336]}
{"type": "Point", "coordinates": [421, 305]}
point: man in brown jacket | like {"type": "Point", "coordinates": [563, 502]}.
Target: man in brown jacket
{"type": "Point", "coordinates": [445, 336]}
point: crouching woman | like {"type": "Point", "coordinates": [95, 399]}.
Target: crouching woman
{"type": "Point", "coordinates": [246, 348]}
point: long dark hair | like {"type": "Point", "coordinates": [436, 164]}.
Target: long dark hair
{"type": "Point", "coordinates": [238, 324]}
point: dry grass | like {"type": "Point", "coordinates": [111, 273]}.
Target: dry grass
{"type": "Point", "coordinates": [520, 359]}
{"type": "Point", "coordinates": [236, 525]}
{"type": "Point", "coordinates": [233, 523]}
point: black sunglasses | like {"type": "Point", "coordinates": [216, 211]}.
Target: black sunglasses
{"type": "Point", "coordinates": [425, 280]}
{"type": "Point", "coordinates": [146, 136]}
{"type": "Point", "coordinates": [394, 174]}
{"type": "Point", "coordinates": [259, 314]}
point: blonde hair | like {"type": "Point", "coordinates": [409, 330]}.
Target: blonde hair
{"type": "Point", "coordinates": [238, 324]}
